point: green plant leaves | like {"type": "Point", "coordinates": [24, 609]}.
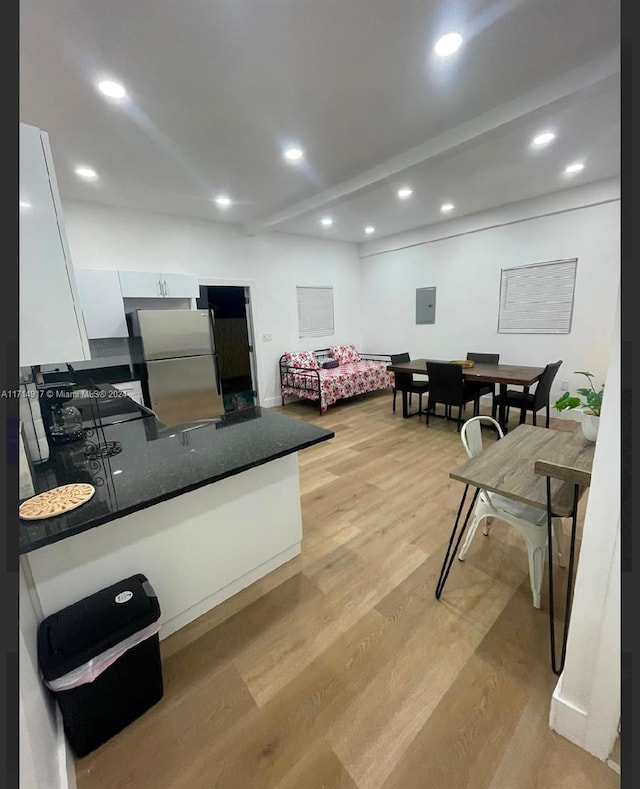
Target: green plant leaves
{"type": "Point", "coordinates": [591, 398]}
{"type": "Point", "coordinates": [566, 401]}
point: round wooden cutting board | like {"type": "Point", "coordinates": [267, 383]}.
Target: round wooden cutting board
{"type": "Point", "coordinates": [56, 501]}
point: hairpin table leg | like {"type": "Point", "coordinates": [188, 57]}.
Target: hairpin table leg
{"type": "Point", "coordinates": [450, 554]}
{"type": "Point", "coordinates": [557, 668]}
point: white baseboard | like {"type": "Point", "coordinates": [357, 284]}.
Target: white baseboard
{"type": "Point", "coordinates": [567, 719]}
{"type": "Point", "coordinates": [270, 402]}
{"type": "Point", "coordinates": [614, 766]}
{"type": "Point", "coordinates": [66, 761]}
{"type": "Point", "coordinates": [228, 591]}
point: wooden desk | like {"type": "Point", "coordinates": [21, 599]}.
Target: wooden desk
{"type": "Point", "coordinates": [544, 468]}
{"type": "Point", "coordinates": [513, 467]}
{"type": "Point", "coordinates": [502, 374]}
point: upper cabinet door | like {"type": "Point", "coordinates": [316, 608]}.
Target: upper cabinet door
{"type": "Point", "coordinates": [51, 324]}
{"type": "Point", "coordinates": [141, 284]}
{"type": "Point", "coordinates": [152, 285]}
{"type": "Point", "coordinates": [180, 286]}
{"type": "Point", "coordinates": [101, 302]}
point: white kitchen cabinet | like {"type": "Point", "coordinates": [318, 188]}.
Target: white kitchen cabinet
{"type": "Point", "coordinates": [181, 286]}
{"type": "Point", "coordinates": [146, 284]}
{"type": "Point", "coordinates": [101, 302]}
{"type": "Point", "coordinates": [140, 284]}
{"type": "Point", "coordinates": [51, 324]}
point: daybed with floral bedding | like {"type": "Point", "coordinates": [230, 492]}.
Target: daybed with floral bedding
{"type": "Point", "coordinates": [331, 374]}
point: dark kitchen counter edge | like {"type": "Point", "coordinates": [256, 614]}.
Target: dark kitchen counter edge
{"type": "Point", "coordinates": [97, 375]}
{"type": "Point", "coordinates": [107, 518]}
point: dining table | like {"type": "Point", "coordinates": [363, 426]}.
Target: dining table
{"type": "Point", "coordinates": [544, 468]}
{"type": "Point", "coordinates": [501, 374]}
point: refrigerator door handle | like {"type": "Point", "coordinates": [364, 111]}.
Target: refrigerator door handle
{"type": "Point", "coordinates": [217, 369]}
{"type": "Point", "coordinates": [212, 334]}
{"type": "Point", "coordinates": [160, 288]}
{"type": "Point", "coordinates": [166, 287]}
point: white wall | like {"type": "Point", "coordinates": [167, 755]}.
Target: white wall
{"type": "Point", "coordinates": [272, 264]}
{"type": "Point", "coordinates": [586, 701]}
{"type": "Point", "coordinates": [463, 258]}
{"type": "Point", "coordinates": [375, 296]}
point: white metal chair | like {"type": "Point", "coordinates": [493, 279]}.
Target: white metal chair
{"type": "Point", "coordinates": [530, 522]}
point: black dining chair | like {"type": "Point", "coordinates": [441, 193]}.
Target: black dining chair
{"type": "Point", "coordinates": [406, 382]}
{"type": "Point", "coordinates": [529, 401]}
{"type": "Point", "coordinates": [481, 387]}
{"type": "Point", "coordinates": [448, 387]}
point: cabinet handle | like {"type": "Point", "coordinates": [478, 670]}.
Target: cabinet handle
{"type": "Point", "coordinates": [166, 289]}
{"type": "Point", "coordinates": [160, 287]}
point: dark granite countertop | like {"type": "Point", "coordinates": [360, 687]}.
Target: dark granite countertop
{"type": "Point", "coordinates": [94, 374]}
{"type": "Point", "coordinates": [152, 463]}
{"type": "Point", "coordinates": [98, 403]}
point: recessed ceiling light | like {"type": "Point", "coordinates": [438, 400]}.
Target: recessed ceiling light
{"type": "Point", "coordinates": [326, 221]}
{"type": "Point", "coordinates": [293, 154]}
{"type": "Point", "coordinates": [404, 192]}
{"type": "Point", "coordinates": [111, 89]}
{"type": "Point", "coordinates": [544, 138]}
{"type": "Point", "coordinates": [576, 167]}
{"type": "Point", "coordinates": [448, 44]}
{"type": "Point", "coordinates": [87, 173]}
{"type": "Point", "coordinates": [369, 230]}
{"type": "Point", "coordinates": [446, 207]}
{"type": "Point", "coordinates": [223, 201]}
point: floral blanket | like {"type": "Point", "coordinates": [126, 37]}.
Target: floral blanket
{"type": "Point", "coordinates": [336, 383]}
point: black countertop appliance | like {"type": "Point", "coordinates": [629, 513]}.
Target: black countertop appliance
{"type": "Point", "coordinates": [62, 420]}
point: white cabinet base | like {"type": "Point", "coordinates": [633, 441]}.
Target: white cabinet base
{"type": "Point", "coordinates": [197, 549]}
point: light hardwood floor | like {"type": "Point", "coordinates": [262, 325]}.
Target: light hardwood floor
{"type": "Point", "coordinates": [341, 669]}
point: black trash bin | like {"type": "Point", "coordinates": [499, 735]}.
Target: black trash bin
{"type": "Point", "coordinates": [101, 659]}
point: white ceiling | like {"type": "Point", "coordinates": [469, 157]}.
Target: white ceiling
{"type": "Point", "coordinates": [218, 88]}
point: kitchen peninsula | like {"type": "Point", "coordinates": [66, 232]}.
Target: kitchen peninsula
{"type": "Point", "coordinates": [202, 509]}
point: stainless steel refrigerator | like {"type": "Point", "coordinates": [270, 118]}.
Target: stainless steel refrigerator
{"type": "Point", "coordinates": [174, 351]}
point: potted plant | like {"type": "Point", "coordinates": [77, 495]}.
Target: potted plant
{"type": "Point", "coordinates": [590, 403]}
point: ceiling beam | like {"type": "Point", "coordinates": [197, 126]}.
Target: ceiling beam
{"type": "Point", "coordinates": [575, 81]}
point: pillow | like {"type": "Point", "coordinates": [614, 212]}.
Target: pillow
{"type": "Point", "coordinates": [330, 364]}
{"type": "Point", "coordinates": [302, 359]}
{"type": "Point", "coordinates": [345, 353]}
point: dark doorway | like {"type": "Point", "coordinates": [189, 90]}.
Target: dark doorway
{"type": "Point", "coordinates": [229, 305]}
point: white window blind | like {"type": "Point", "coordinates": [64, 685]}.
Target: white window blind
{"type": "Point", "coordinates": [537, 299]}
{"type": "Point", "coordinates": [315, 311]}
